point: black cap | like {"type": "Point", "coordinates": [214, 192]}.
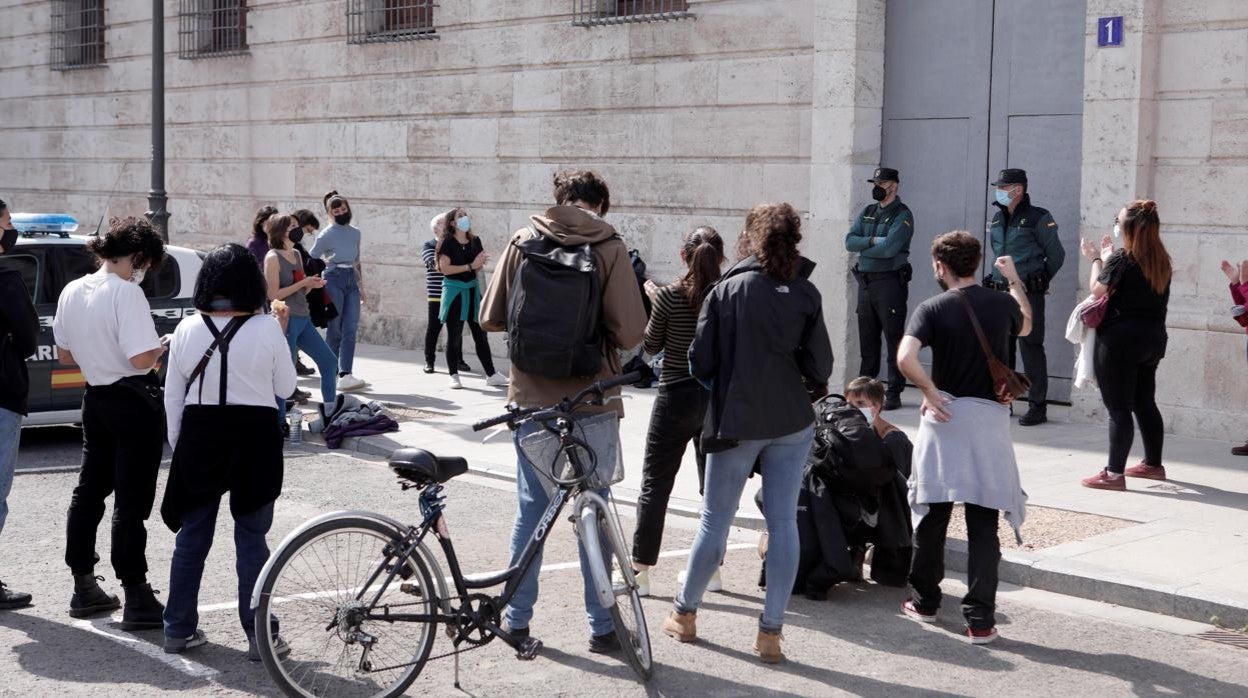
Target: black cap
{"type": "Point", "coordinates": [1011, 175]}
{"type": "Point", "coordinates": [885, 174]}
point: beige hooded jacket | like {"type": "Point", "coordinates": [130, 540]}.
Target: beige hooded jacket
{"type": "Point", "coordinates": [623, 315]}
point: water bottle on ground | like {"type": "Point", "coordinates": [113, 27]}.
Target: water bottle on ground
{"type": "Point", "coordinates": [296, 426]}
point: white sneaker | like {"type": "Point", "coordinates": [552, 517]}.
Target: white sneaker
{"type": "Point", "coordinates": [455, 382]}
{"type": "Point", "coordinates": [643, 581]}
{"type": "Point", "coordinates": [496, 380]}
{"type": "Point", "coordinates": [350, 383]}
{"type": "Point", "coordinates": [716, 583]}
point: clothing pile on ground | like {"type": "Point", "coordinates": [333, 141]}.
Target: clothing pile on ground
{"type": "Point", "coordinates": [351, 416]}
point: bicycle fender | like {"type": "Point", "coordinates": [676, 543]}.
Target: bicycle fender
{"type": "Point", "coordinates": [587, 504]}
{"type": "Point", "coordinates": [435, 570]}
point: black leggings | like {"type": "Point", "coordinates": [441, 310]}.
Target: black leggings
{"type": "Point", "coordinates": [455, 340]}
{"type": "Point", "coordinates": [1127, 356]}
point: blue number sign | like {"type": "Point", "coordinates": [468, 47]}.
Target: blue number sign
{"type": "Point", "coordinates": [1109, 31]}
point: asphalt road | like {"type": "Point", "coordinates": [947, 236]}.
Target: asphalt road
{"type": "Point", "coordinates": [855, 643]}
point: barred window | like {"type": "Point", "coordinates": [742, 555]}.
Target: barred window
{"type": "Point", "coordinates": [377, 21]}
{"type": "Point", "coordinates": [210, 28]}
{"type": "Point", "coordinates": [588, 13]}
{"type": "Point", "coordinates": [77, 34]}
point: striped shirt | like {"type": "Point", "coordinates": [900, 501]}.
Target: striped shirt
{"type": "Point", "coordinates": [671, 329]}
{"type": "Point", "coordinates": [433, 277]}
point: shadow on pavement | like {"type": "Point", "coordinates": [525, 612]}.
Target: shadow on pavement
{"type": "Point", "coordinates": [1202, 494]}
{"type": "Point", "coordinates": [1146, 677]}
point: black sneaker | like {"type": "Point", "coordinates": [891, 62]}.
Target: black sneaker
{"type": "Point", "coordinates": [142, 611]}
{"type": "Point", "coordinates": [1033, 417]}
{"type": "Point", "coordinates": [178, 645]}
{"type": "Point", "coordinates": [518, 633]}
{"type": "Point", "coordinates": [89, 599]}
{"type": "Point", "coordinates": [892, 402]}
{"type": "Point", "coordinates": [299, 396]}
{"type": "Point", "coordinates": [10, 600]}
{"type": "Point", "coordinates": [429, 367]}
{"type": "Point", "coordinates": [302, 369]}
{"type": "Point", "coordinates": [463, 366]}
{"type": "Point", "coordinates": [606, 643]}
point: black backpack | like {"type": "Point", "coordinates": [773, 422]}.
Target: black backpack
{"type": "Point", "coordinates": [847, 453]}
{"type": "Point", "coordinates": [554, 312]}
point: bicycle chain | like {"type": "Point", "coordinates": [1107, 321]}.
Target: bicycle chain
{"type": "Point", "coordinates": [429, 659]}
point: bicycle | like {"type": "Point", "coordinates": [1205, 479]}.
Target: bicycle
{"type": "Point", "coordinates": [364, 593]}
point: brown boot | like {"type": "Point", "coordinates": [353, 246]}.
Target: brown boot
{"type": "Point", "coordinates": [767, 646]}
{"type": "Point", "coordinates": [681, 626]}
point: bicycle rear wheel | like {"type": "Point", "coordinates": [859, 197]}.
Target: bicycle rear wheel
{"type": "Point", "coordinates": [602, 539]}
{"type": "Point", "coordinates": [323, 584]}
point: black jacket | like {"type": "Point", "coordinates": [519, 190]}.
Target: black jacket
{"type": "Point", "coordinates": [19, 337]}
{"type": "Point", "coordinates": [758, 338]}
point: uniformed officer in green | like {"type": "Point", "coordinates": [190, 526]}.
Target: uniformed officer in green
{"type": "Point", "coordinates": [1029, 235]}
{"type": "Point", "coordinates": [881, 237]}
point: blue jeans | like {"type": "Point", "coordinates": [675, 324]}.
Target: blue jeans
{"type": "Point", "coordinates": [344, 290]}
{"type": "Point", "coordinates": [301, 334]}
{"type": "Point", "coordinates": [783, 459]}
{"type": "Point", "coordinates": [531, 504]}
{"type": "Point", "coordinates": [190, 549]}
{"type": "Point", "coordinates": [10, 435]}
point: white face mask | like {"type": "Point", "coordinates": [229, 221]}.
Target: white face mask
{"type": "Point", "coordinates": [1117, 231]}
{"type": "Point", "coordinates": [869, 414]}
{"type": "Point", "coordinates": [137, 276]}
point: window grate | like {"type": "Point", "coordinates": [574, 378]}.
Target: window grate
{"type": "Point", "coordinates": [589, 13]}
{"type": "Point", "coordinates": [382, 21]}
{"type": "Point", "coordinates": [211, 28]}
{"type": "Point", "coordinates": [77, 34]}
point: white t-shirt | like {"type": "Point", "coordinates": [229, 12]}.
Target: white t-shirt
{"type": "Point", "coordinates": [261, 367]}
{"type": "Point", "coordinates": [104, 321]}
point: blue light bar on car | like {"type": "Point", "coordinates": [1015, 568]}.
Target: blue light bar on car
{"type": "Point", "coordinates": [44, 223]}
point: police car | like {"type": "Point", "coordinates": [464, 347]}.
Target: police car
{"type": "Point", "coordinates": [49, 255]}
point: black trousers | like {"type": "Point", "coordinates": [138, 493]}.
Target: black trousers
{"type": "Point", "coordinates": [881, 309]}
{"type": "Point", "coordinates": [1125, 364]}
{"type": "Point", "coordinates": [432, 331]}
{"type": "Point", "coordinates": [455, 341]}
{"type": "Point", "coordinates": [927, 567]}
{"type": "Point", "coordinates": [1031, 348]}
{"type": "Point", "coordinates": [675, 421]}
{"type": "Point", "coordinates": [123, 439]}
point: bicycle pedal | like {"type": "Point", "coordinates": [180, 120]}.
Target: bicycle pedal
{"type": "Point", "coordinates": [529, 649]}
{"type": "Point", "coordinates": [411, 589]}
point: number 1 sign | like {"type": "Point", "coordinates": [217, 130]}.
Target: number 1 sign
{"type": "Point", "coordinates": [1109, 31]}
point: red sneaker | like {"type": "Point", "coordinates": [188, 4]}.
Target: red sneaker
{"type": "Point", "coordinates": [981, 636]}
{"type": "Point", "coordinates": [1146, 471]}
{"type": "Point", "coordinates": [911, 611]}
{"type": "Point", "coordinates": [1102, 481]}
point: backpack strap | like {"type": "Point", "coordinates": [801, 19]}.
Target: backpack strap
{"type": "Point", "coordinates": [220, 339]}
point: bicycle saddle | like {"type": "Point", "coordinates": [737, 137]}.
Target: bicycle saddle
{"type": "Point", "coordinates": [422, 466]}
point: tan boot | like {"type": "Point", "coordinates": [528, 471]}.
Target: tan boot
{"type": "Point", "coordinates": [681, 626]}
{"type": "Point", "coordinates": [767, 646]}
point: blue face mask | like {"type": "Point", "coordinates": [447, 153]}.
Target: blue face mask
{"type": "Point", "coordinates": [464, 223]}
{"type": "Point", "coordinates": [1003, 197]}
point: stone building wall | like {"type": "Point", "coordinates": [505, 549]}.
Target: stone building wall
{"type": "Point", "coordinates": [1166, 117]}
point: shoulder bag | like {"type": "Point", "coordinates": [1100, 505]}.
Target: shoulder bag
{"type": "Point", "coordinates": [1008, 384]}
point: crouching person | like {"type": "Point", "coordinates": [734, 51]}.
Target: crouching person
{"type": "Point", "coordinates": [225, 366]}
{"type": "Point", "coordinates": [963, 452]}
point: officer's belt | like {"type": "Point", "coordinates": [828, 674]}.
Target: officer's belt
{"type": "Point", "coordinates": [875, 275]}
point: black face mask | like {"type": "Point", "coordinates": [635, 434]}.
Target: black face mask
{"type": "Point", "coordinates": [878, 193]}
{"type": "Point", "coordinates": [295, 235]}
{"type": "Point", "coordinates": [343, 218]}
{"type": "Point", "coordinates": [8, 240]}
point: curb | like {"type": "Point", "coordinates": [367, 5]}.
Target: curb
{"type": "Point", "coordinates": [1025, 569]}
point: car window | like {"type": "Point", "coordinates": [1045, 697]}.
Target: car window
{"type": "Point", "coordinates": [163, 283]}
{"type": "Point", "coordinates": [75, 262]}
{"type": "Point", "coordinates": [27, 265]}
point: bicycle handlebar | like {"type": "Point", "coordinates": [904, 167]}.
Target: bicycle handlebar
{"type": "Point", "coordinates": [594, 391]}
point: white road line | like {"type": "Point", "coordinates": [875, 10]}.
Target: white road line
{"type": "Point", "coordinates": [100, 627]}
{"type": "Point", "coordinates": [450, 582]}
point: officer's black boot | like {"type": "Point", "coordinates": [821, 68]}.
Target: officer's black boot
{"type": "Point", "coordinates": [892, 401]}
{"type": "Point", "coordinates": [1036, 414]}
{"type": "Point", "coordinates": [142, 611]}
{"type": "Point", "coordinates": [89, 599]}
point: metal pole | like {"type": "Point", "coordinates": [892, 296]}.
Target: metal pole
{"type": "Point", "coordinates": [156, 199]}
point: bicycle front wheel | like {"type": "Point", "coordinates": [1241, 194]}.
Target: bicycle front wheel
{"type": "Point", "coordinates": [321, 589]}
{"type": "Point", "coordinates": [600, 534]}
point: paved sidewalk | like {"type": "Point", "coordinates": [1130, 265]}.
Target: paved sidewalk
{"type": "Point", "coordinates": [1187, 557]}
